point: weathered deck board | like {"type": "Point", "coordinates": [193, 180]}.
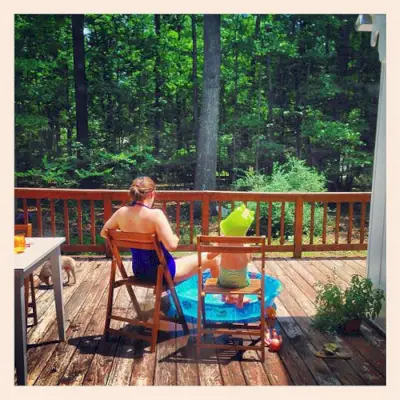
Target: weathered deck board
{"type": "Point", "coordinates": [186, 363]}
{"type": "Point", "coordinates": [46, 308]}
{"type": "Point", "coordinates": [253, 371]}
{"type": "Point", "coordinates": [229, 364]}
{"type": "Point", "coordinates": [87, 359]}
{"type": "Point", "coordinates": [39, 355]}
{"type": "Point", "coordinates": [144, 364]}
{"type": "Point", "coordinates": [165, 372]}
{"type": "Point", "coordinates": [349, 346]}
{"type": "Point", "coordinates": [209, 370]}
{"type": "Point", "coordinates": [374, 337]}
{"type": "Point", "coordinates": [63, 352]}
{"type": "Point", "coordinates": [345, 371]}
{"type": "Point", "coordinates": [325, 271]}
{"type": "Point", "coordinates": [102, 363]}
{"type": "Point", "coordinates": [87, 345]}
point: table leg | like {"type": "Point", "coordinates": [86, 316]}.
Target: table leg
{"type": "Point", "coordinates": [56, 277]}
{"type": "Point", "coordinates": [20, 330]}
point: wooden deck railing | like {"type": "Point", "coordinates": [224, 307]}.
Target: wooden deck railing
{"type": "Point", "coordinates": [53, 212]}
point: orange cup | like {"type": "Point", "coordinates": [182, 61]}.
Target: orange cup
{"type": "Point", "coordinates": [19, 243]}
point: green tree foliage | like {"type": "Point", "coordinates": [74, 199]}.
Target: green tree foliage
{"type": "Point", "coordinates": [291, 176]}
{"type": "Point", "coordinates": [298, 85]}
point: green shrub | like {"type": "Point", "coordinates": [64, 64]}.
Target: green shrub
{"type": "Point", "coordinates": [336, 307]}
{"type": "Point", "coordinates": [292, 176]}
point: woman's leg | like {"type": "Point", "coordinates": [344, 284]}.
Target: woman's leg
{"type": "Point", "coordinates": [187, 266]}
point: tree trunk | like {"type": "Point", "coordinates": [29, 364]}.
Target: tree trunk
{"type": "Point", "coordinates": [80, 79]}
{"type": "Point", "coordinates": [270, 118]}
{"type": "Point", "coordinates": [253, 79]}
{"type": "Point", "coordinates": [255, 57]}
{"type": "Point", "coordinates": [195, 80]}
{"type": "Point", "coordinates": [69, 123]}
{"type": "Point", "coordinates": [179, 127]}
{"type": "Point", "coordinates": [270, 90]}
{"type": "Point", "coordinates": [235, 109]}
{"type": "Point", "coordinates": [206, 157]}
{"type": "Point", "coordinates": [257, 166]}
{"type": "Point", "coordinates": [57, 129]}
{"type": "Point", "coordinates": [157, 93]}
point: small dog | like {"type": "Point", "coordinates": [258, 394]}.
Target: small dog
{"type": "Point", "coordinates": [68, 264]}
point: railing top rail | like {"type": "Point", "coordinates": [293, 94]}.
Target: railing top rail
{"type": "Point", "coordinates": [99, 194]}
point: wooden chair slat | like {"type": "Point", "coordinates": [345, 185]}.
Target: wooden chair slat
{"type": "Point", "coordinates": [231, 239]}
{"type": "Point", "coordinates": [211, 287]}
{"type": "Point", "coordinates": [229, 249]}
{"type": "Point", "coordinates": [132, 321]}
{"type": "Point", "coordinates": [133, 281]}
{"type": "Point", "coordinates": [26, 229]}
{"type": "Point", "coordinates": [131, 236]}
{"type": "Point", "coordinates": [126, 245]}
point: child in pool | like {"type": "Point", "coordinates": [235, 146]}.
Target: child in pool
{"type": "Point", "coordinates": [233, 274]}
{"type": "Point", "coordinates": [233, 266]}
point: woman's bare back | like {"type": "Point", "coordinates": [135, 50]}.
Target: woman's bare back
{"type": "Point", "coordinates": [136, 219]}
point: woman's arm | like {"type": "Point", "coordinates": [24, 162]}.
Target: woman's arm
{"type": "Point", "coordinates": [164, 231]}
{"type": "Point", "coordinates": [112, 223]}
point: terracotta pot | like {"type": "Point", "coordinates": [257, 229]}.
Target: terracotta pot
{"type": "Point", "coordinates": [352, 327]}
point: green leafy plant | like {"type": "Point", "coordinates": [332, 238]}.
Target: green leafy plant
{"type": "Point", "coordinates": [292, 176]}
{"type": "Point", "coordinates": [336, 307]}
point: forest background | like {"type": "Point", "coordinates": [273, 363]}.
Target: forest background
{"type": "Point", "coordinates": [245, 102]}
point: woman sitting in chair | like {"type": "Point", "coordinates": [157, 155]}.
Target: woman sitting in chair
{"type": "Point", "coordinates": [140, 217]}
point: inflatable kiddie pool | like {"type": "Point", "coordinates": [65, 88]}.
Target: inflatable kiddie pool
{"type": "Point", "coordinates": [216, 309]}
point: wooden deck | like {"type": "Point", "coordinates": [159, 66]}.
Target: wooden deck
{"type": "Point", "coordinates": [87, 359]}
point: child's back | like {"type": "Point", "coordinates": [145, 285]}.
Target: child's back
{"type": "Point", "coordinates": [233, 274]}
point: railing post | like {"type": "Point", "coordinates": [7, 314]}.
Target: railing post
{"type": "Point", "coordinates": [205, 213]}
{"type": "Point", "coordinates": [298, 228]}
{"type": "Point", "coordinates": [107, 201]}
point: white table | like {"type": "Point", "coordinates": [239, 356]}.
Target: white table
{"type": "Point", "coordinates": [40, 250]}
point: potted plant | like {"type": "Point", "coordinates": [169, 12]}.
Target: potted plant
{"type": "Point", "coordinates": [339, 309]}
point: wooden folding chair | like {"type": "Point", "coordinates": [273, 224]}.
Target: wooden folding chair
{"type": "Point", "coordinates": [118, 240]}
{"type": "Point", "coordinates": [217, 244]}
{"type": "Point", "coordinates": [27, 231]}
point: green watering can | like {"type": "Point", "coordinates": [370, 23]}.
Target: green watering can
{"type": "Point", "coordinates": [237, 222]}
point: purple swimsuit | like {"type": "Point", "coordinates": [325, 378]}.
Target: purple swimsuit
{"type": "Point", "coordinates": [146, 262]}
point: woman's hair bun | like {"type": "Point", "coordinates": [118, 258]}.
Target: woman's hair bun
{"type": "Point", "coordinates": [141, 187]}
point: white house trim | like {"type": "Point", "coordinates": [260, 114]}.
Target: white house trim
{"type": "Point", "coordinates": [376, 257]}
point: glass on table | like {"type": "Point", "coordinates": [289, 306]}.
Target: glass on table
{"type": "Point", "coordinates": [19, 243]}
